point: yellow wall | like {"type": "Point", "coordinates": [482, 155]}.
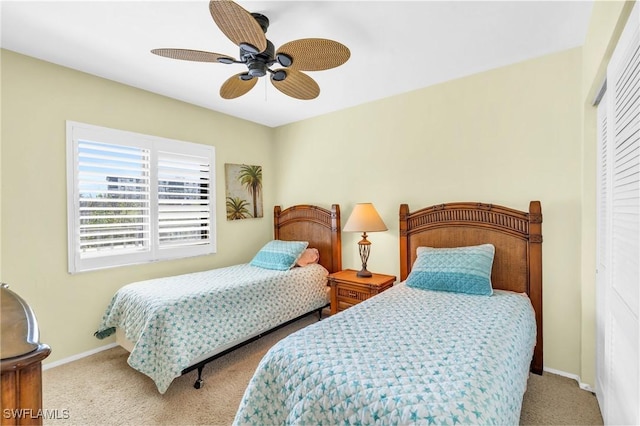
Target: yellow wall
{"type": "Point", "coordinates": [37, 98]}
{"type": "Point", "coordinates": [606, 24]}
{"type": "Point", "coordinates": [505, 136]}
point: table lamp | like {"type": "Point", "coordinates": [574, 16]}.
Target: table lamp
{"type": "Point", "coordinates": [364, 218]}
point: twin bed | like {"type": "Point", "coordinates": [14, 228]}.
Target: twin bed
{"type": "Point", "coordinates": [174, 325]}
{"type": "Point", "coordinates": [412, 354]}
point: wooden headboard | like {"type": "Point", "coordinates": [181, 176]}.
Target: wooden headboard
{"type": "Point", "coordinates": [320, 227]}
{"type": "Point", "coordinates": [516, 235]}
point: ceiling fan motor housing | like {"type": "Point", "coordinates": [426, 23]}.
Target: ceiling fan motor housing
{"type": "Point", "coordinates": [258, 63]}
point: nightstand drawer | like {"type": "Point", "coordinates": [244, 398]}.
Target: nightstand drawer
{"type": "Point", "coordinates": [352, 294]}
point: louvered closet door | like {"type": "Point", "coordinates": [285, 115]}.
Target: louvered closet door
{"type": "Point", "coordinates": [622, 331]}
{"type": "Point", "coordinates": [603, 283]}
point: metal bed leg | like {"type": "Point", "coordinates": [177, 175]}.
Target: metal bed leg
{"type": "Point", "coordinates": [198, 384]}
{"type": "Point", "coordinates": [200, 366]}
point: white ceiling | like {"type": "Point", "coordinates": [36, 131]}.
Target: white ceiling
{"type": "Point", "coordinates": [395, 46]}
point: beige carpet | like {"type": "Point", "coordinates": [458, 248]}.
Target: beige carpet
{"type": "Point", "coordinates": [555, 400]}
{"type": "Point", "coordinates": [103, 390]}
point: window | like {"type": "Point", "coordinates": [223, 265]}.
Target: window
{"type": "Point", "coordinates": [134, 198]}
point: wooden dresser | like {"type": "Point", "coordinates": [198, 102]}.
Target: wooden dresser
{"type": "Point", "coordinates": [21, 363]}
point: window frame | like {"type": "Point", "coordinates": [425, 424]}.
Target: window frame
{"type": "Point", "coordinates": [152, 252]}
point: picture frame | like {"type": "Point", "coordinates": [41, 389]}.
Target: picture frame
{"type": "Point", "coordinates": [243, 185]}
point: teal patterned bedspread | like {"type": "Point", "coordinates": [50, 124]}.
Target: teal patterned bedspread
{"type": "Point", "coordinates": [406, 356]}
{"type": "Point", "coordinates": [175, 320]}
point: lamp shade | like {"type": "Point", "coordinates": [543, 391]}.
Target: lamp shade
{"type": "Point", "coordinates": [364, 218]}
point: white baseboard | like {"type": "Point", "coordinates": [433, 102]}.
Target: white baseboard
{"type": "Point", "coordinates": [584, 386]}
{"type": "Point", "coordinates": [76, 357]}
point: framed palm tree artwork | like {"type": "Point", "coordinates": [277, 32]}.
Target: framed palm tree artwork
{"type": "Point", "coordinates": [243, 191]}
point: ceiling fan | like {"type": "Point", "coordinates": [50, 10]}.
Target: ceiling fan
{"type": "Point", "coordinates": [247, 30]}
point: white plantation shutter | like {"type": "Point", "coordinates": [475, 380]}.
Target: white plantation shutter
{"type": "Point", "coordinates": [113, 199]}
{"type": "Point", "coordinates": [184, 200]}
{"type": "Point", "coordinates": [134, 198]}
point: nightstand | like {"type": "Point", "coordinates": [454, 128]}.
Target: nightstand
{"type": "Point", "coordinates": [347, 289]}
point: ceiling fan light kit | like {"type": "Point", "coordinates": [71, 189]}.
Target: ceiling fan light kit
{"type": "Point", "coordinates": [247, 31]}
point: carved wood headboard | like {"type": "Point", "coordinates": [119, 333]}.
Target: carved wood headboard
{"type": "Point", "coordinates": [319, 226]}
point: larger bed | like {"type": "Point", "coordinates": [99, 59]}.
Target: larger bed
{"type": "Point", "coordinates": [177, 324]}
{"type": "Point", "coordinates": [412, 355]}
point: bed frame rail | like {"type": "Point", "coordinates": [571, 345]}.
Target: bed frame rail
{"type": "Point", "coordinates": [200, 365]}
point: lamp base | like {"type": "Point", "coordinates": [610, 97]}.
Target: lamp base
{"type": "Point", "coordinates": [364, 246]}
{"type": "Point", "coordinates": [363, 273]}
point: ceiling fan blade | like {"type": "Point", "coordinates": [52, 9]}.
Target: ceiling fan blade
{"type": "Point", "coordinates": [238, 24]}
{"type": "Point", "coordinates": [315, 54]}
{"type": "Point", "coordinates": [296, 84]}
{"type": "Point", "coordinates": [235, 86]}
{"type": "Point", "coordinates": [190, 55]}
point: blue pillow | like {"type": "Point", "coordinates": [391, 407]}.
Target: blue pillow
{"type": "Point", "coordinates": [460, 269]}
{"type": "Point", "coordinates": [279, 255]}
